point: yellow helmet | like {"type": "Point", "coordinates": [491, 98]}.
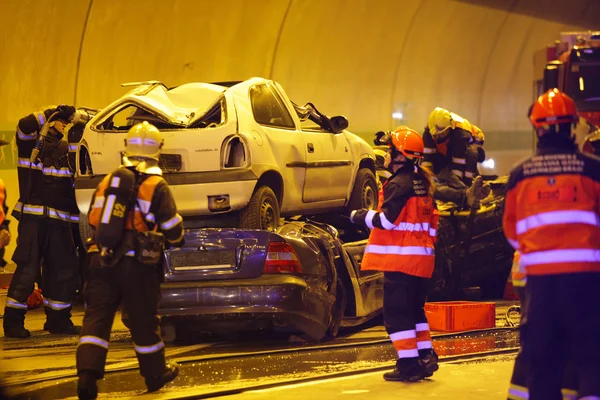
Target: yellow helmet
{"type": "Point", "coordinates": [439, 121]}
{"type": "Point", "coordinates": [477, 133]}
{"type": "Point", "coordinates": [143, 142]}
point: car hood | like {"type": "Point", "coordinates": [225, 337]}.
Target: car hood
{"type": "Point", "coordinates": [183, 104]}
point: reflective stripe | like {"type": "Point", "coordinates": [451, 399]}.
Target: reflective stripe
{"type": "Point", "coordinates": [459, 160]}
{"type": "Point", "coordinates": [108, 209]}
{"type": "Point", "coordinates": [149, 349]}
{"type": "Point", "coordinates": [114, 182]}
{"type": "Point", "coordinates": [130, 253]}
{"type": "Point", "coordinates": [457, 172]}
{"type": "Point", "coordinates": [557, 217]}
{"type": "Point", "coordinates": [171, 223]}
{"type": "Point", "coordinates": [399, 250]}
{"type": "Point", "coordinates": [424, 326]}
{"type": "Point", "coordinates": [369, 219]}
{"type": "Point", "coordinates": [144, 205]}
{"type": "Point", "coordinates": [24, 136]}
{"type": "Point", "coordinates": [408, 334]}
{"type": "Point", "coordinates": [56, 305]}
{"type": "Point", "coordinates": [25, 163]}
{"type": "Point", "coordinates": [408, 353]}
{"type": "Point", "coordinates": [429, 150]}
{"type": "Point", "coordinates": [517, 392]}
{"type": "Point", "coordinates": [150, 217]}
{"type": "Point", "coordinates": [469, 174]}
{"type": "Point", "coordinates": [73, 147]}
{"type": "Point", "coordinates": [513, 243]}
{"type": "Point", "coordinates": [589, 398]}
{"type": "Point", "coordinates": [41, 118]}
{"type": "Point", "coordinates": [12, 303]}
{"type": "Point", "coordinates": [98, 202]}
{"type": "Point", "coordinates": [94, 340]}
{"type": "Point", "coordinates": [386, 222]}
{"type": "Point", "coordinates": [560, 256]}
{"type": "Point", "coordinates": [424, 344]}
{"type": "Point", "coordinates": [36, 210]}
{"type": "Point", "coordinates": [61, 172]}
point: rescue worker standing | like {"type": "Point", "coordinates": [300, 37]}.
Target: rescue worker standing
{"type": "Point", "coordinates": [446, 139]}
{"type": "Point", "coordinates": [4, 232]}
{"type": "Point", "coordinates": [46, 211]}
{"type": "Point", "coordinates": [130, 207]}
{"type": "Point", "coordinates": [401, 244]}
{"type": "Point", "coordinates": [551, 216]}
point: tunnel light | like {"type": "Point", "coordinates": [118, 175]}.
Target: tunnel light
{"type": "Point", "coordinates": [489, 163]}
{"type": "Point", "coordinates": [397, 115]}
{"type": "Point", "coordinates": [581, 83]}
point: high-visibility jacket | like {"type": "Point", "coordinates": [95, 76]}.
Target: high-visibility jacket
{"type": "Point", "coordinates": [45, 188]}
{"type": "Point", "coordinates": [552, 210]}
{"type": "Point", "coordinates": [451, 152]}
{"type": "Point", "coordinates": [518, 274]}
{"type": "Point", "coordinates": [155, 209]}
{"type": "Point", "coordinates": [403, 227]}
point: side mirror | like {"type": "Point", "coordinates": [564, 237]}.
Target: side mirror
{"type": "Point", "coordinates": [338, 123]}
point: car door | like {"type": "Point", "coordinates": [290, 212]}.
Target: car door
{"type": "Point", "coordinates": [328, 164]}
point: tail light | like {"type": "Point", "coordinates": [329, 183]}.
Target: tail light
{"type": "Point", "coordinates": [282, 259]}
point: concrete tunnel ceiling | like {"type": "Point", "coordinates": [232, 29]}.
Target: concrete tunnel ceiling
{"type": "Point", "coordinates": [362, 58]}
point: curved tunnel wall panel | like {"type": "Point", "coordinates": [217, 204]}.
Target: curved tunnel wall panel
{"type": "Point", "coordinates": [175, 42]}
{"type": "Point", "coordinates": [39, 48]}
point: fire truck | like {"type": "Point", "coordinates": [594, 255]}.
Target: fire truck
{"type": "Point", "coordinates": [572, 64]}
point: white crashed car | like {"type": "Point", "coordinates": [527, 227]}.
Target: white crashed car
{"type": "Point", "coordinates": [241, 152]}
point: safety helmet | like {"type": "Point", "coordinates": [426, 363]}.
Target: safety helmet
{"type": "Point", "coordinates": [408, 142]}
{"type": "Point", "coordinates": [143, 142]}
{"type": "Point", "coordinates": [478, 136]}
{"type": "Point", "coordinates": [552, 108]}
{"type": "Point", "coordinates": [439, 121]}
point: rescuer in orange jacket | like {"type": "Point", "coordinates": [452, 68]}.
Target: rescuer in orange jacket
{"type": "Point", "coordinates": [552, 217]}
{"type": "Point", "coordinates": [132, 213]}
{"type": "Point", "coordinates": [46, 211]}
{"type": "Point", "coordinates": [4, 232]}
{"type": "Point", "coordinates": [518, 381]}
{"type": "Point", "coordinates": [401, 244]}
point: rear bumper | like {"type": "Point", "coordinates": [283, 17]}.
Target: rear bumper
{"type": "Point", "coordinates": [282, 299]}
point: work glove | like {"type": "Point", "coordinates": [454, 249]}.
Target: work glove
{"type": "Point", "coordinates": [67, 112]}
{"type": "Point", "coordinates": [4, 238]}
{"type": "Point", "coordinates": [381, 138]}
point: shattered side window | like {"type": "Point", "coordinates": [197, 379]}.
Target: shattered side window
{"type": "Point", "coordinates": [124, 118]}
{"type": "Point", "coordinates": [268, 109]}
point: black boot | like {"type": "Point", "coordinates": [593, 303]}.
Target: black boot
{"type": "Point", "coordinates": [407, 370]}
{"type": "Point", "coordinates": [171, 372]}
{"type": "Point", "coordinates": [429, 360]}
{"type": "Point", "coordinates": [14, 323]}
{"type": "Point", "coordinates": [65, 330]}
{"type": "Point", "coordinates": [87, 389]}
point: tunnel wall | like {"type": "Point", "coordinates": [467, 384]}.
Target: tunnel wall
{"type": "Point", "coordinates": [362, 58]}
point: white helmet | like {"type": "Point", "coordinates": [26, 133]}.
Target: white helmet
{"type": "Point", "coordinates": [142, 144]}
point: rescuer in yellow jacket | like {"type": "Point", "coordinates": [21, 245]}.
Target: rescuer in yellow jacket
{"type": "Point", "coordinates": [551, 216]}
{"type": "Point", "coordinates": [132, 214]}
{"type": "Point", "coordinates": [401, 244]}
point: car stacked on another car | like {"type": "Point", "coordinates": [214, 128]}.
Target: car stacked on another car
{"type": "Point", "coordinates": [239, 151]}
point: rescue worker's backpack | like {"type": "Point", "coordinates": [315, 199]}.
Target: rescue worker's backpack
{"type": "Point", "coordinates": [119, 199]}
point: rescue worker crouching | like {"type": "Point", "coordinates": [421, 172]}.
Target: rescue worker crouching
{"type": "Point", "coordinates": [46, 211]}
{"type": "Point", "coordinates": [401, 244]}
{"type": "Point", "coordinates": [128, 210]}
{"type": "Point", "coordinates": [551, 217]}
{"type": "Point", "coordinates": [4, 232]}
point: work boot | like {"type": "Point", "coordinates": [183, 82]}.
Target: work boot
{"type": "Point", "coordinates": [62, 327]}
{"type": "Point", "coordinates": [407, 370]}
{"type": "Point", "coordinates": [429, 361]}
{"type": "Point", "coordinates": [14, 323]}
{"type": "Point", "coordinates": [171, 372]}
{"type": "Point", "coordinates": [87, 389]}
{"type": "Point", "coordinates": [473, 193]}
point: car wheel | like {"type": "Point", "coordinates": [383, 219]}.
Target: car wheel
{"type": "Point", "coordinates": [364, 192]}
{"type": "Point", "coordinates": [85, 230]}
{"type": "Point", "coordinates": [262, 212]}
{"type": "Point", "coordinates": [338, 311]}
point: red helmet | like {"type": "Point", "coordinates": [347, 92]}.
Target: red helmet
{"type": "Point", "coordinates": [408, 142]}
{"type": "Point", "coordinates": [553, 107]}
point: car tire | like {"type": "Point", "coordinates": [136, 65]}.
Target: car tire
{"type": "Point", "coordinates": [364, 193]}
{"type": "Point", "coordinates": [262, 212]}
{"type": "Point", "coordinates": [339, 308]}
{"type": "Point", "coordinates": [85, 230]}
